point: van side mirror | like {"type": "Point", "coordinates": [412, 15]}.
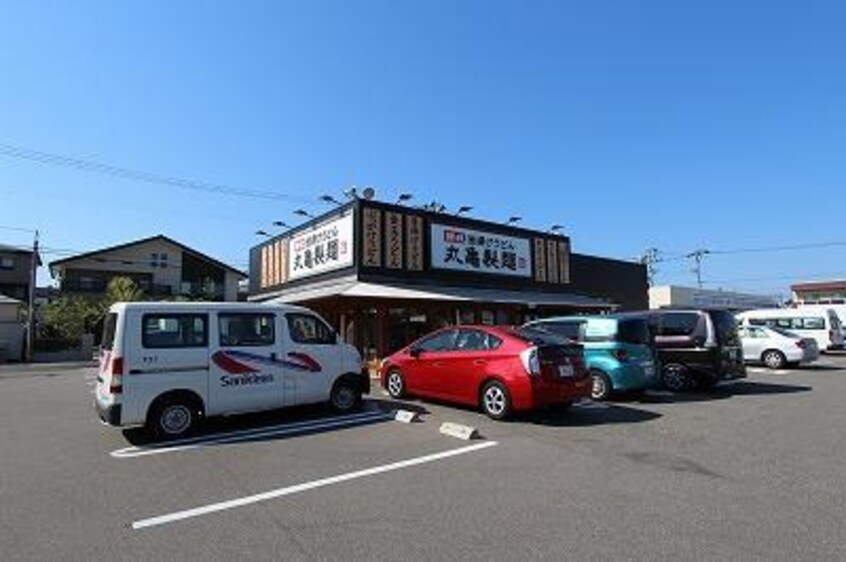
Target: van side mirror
{"type": "Point", "coordinates": [415, 352]}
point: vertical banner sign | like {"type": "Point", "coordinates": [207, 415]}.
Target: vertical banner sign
{"type": "Point", "coordinates": [551, 261]}
{"type": "Point", "coordinates": [272, 276]}
{"type": "Point", "coordinates": [281, 268]}
{"type": "Point", "coordinates": [564, 262]}
{"type": "Point", "coordinates": [460, 249]}
{"type": "Point", "coordinates": [540, 261]}
{"type": "Point", "coordinates": [414, 241]}
{"type": "Point", "coordinates": [265, 266]}
{"type": "Point", "coordinates": [372, 237]}
{"type": "Point", "coordinates": [393, 240]}
{"type": "Point", "coordinates": [324, 247]}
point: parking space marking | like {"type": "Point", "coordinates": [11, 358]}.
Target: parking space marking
{"type": "Point", "coordinates": [591, 405]}
{"type": "Point", "coordinates": [246, 434]}
{"type": "Point", "coordinates": [289, 490]}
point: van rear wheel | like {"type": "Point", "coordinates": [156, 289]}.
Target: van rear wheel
{"type": "Point", "coordinates": [172, 418]}
{"type": "Point", "coordinates": [675, 377]}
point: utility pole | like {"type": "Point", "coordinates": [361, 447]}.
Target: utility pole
{"type": "Point", "coordinates": [650, 259]}
{"type": "Point", "coordinates": [697, 256]}
{"type": "Point", "coordinates": [30, 318]}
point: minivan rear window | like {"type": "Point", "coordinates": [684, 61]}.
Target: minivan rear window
{"type": "Point", "coordinates": [678, 323]}
{"type": "Point", "coordinates": [109, 329]}
{"type": "Point", "coordinates": [725, 325]}
{"type": "Point", "coordinates": [634, 331]}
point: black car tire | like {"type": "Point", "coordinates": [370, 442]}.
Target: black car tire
{"type": "Point", "coordinates": [774, 359]}
{"type": "Point", "coordinates": [395, 384]}
{"type": "Point", "coordinates": [601, 388]}
{"type": "Point", "coordinates": [495, 400]}
{"type": "Point", "coordinates": [346, 396]}
{"type": "Point", "coordinates": [675, 377]}
{"type": "Point", "coordinates": [172, 418]}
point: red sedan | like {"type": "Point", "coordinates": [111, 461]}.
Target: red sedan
{"type": "Point", "coordinates": [499, 369]}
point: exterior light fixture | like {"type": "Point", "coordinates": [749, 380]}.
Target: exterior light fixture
{"type": "Point", "coordinates": [304, 213]}
{"type": "Point", "coordinates": [513, 220]}
{"type": "Point", "coordinates": [282, 224]}
{"type": "Point", "coordinates": [555, 228]}
{"type": "Point", "coordinates": [351, 192]}
{"type": "Point", "coordinates": [262, 233]}
{"type": "Point", "coordinates": [331, 200]}
{"type": "Point", "coordinates": [403, 197]}
{"type": "Point", "coordinates": [463, 209]}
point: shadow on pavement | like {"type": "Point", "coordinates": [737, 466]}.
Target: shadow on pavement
{"type": "Point", "coordinates": [575, 416]}
{"type": "Point", "coordinates": [256, 422]}
{"type": "Point", "coordinates": [741, 388]}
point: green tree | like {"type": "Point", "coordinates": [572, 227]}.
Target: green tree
{"type": "Point", "coordinates": [68, 318]}
{"type": "Point", "coordinates": [122, 289]}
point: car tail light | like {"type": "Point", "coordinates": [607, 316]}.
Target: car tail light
{"type": "Point", "coordinates": [620, 354]}
{"type": "Point", "coordinates": [531, 361]}
{"type": "Point", "coordinates": [116, 386]}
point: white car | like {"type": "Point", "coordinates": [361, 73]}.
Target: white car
{"type": "Point", "coordinates": [776, 348]}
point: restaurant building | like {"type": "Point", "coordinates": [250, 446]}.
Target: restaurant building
{"type": "Point", "coordinates": [386, 274]}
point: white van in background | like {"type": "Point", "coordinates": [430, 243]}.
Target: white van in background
{"type": "Point", "coordinates": [822, 324]}
{"type": "Point", "coordinates": [167, 365]}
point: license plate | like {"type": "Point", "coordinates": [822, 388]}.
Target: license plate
{"type": "Point", "coordinates": [649, 369]}
{"type": "Point", "coordinates": [565, 370]}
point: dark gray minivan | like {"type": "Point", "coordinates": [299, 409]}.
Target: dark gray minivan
{"type": "Point", "coordinates": [696, 348]}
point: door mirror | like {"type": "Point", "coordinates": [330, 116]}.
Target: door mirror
{"type": "Point", "coordinates": [415, 352]}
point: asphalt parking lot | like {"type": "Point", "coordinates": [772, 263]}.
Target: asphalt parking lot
{"type": "Point", "coordinates": [753, 471]}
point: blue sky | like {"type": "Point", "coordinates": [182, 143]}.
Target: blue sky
{"type": "Point", "coordinates": [679, 125]}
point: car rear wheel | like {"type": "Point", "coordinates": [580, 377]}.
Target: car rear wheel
{"type": "Point", "coordinates": [496, 403]}
{"type": "Point", "coordinates": [601, 389]}
{"type": "Point", "coordinates": [675, 377]}
{"type": "Point", "coordinates": [172, 418]}
{"type": "Point", "coordinates": [774, 359]}
{"type": "Point", "coordinates": [395, 384]}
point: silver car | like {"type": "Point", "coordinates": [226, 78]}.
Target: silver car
{"type": "Point", "coordinates": [775, 347]}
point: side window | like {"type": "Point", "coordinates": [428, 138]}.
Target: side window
{"type": "Point", "coordinates": [162, 331]}
{"type": "Point", "coordinates": [246, 329]}
{"type": "Point", "coordinates": [308, 329]}
{"type": "Point", "coordinates": [757, 322]}
{"type": "Point", "coordinates": [679, 324]}
{"type": "Point", "coordinates": [813, 323]}
{"type": "Point", "coordinates": [442, 341]}
{"type": "Point", "coordinates": [571, 330]}
{"type": "Point", "coordinates": [476, 340]}
{"type": "Point", "coordinates": [757, 333]}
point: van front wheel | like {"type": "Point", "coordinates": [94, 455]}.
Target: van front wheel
{"type": "Point", "coordinates": [346, 396]}
{"type": "Point", "coordinates": [172, 418]}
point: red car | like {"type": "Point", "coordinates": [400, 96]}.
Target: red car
{"type": "Point", "coordinates": [499, 369]}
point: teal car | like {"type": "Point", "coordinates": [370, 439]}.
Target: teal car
{"type": "Point", "coordinates": [618, 351]}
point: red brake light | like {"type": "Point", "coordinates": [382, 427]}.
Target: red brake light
{"type": "Point", "coordinates": [621, 354]}
{"type": "Point", "coordinates": [116, 386]}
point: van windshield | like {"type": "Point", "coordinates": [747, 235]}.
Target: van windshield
{"type": "Point", "coordinates": [109, 327]}
{"type": "Point", "coordinates": [726, 326]}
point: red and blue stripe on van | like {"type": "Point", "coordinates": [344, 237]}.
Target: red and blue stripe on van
{"type": "Point", "coordinates": [242, 362]}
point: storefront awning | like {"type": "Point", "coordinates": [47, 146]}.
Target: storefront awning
{"type": "Point", "coordinates": [353, 288]}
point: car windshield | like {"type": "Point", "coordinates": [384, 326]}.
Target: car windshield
{"type": "Point", "coordinates": [538, 337]}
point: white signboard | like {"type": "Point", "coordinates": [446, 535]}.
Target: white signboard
{"type": "Point", "coordinates": [324, 248]}
{"type": "Point", "coordinates": [460, 249]}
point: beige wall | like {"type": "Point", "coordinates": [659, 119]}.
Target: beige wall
{"type": "Point", "coordinates": [10, 312]}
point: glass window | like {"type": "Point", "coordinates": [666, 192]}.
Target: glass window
{"type": "Point", "coordinates": [571, 330]}
{"type": "Point", "coordinates": [726, 326]}
{"type": "Point", "coordinates": [678, 323]}
{"type": "Point", "coordinates": [7, 263]}
{"type": "Point", "coordinates": [811, 323]}
{"type": "Point", "coordinates": [308, 329]}
{"type": "Point", "coordinates": [441, 341]}
{"type": "Point", "coordinates": [172, 330]}
{"type": "Point", "coordinates": [109, 328]}
{"type": "Point", "coordinates": [246, 329]}
{"type": "Point", "coordinates": [635, 331]}
{"type": "Point", "coordinates": [476, 340]}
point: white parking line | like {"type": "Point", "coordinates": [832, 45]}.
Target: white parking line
{"type": "Point", "coordinates": [591, 405]}
{"type": "Point", "coordinates": [234, 436]}
{"type": "Point", "coordinates": [289, 490]}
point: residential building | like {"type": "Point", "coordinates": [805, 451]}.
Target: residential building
{"type": "Point", "coordinates": [819, 292]}
{"type": "Point", "coordinates": [11, 329]}
{"type": "Point", "coordinates": [160, 266]}
{"type": "Point", "coordinates": [15, 272]}
{"type": "Point", "coordinates": [676, 296]}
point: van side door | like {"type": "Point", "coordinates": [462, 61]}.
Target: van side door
{"type": "Point", "coordinates": [245, 367]}
{"type": "Point", "coordinates": [311, 356]}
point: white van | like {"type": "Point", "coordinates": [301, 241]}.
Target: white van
{"type": "Point", "coordinates": [821, 324]}
{"type": "Point", "coordinates": [167, 365]}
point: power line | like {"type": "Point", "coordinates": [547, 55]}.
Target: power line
{"type": "Point", "coordinates": [809, 246]}
{"type": "Point", "coordinates": [139, 175]}
{"type": "Point", "coordinates": [19, 229]}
